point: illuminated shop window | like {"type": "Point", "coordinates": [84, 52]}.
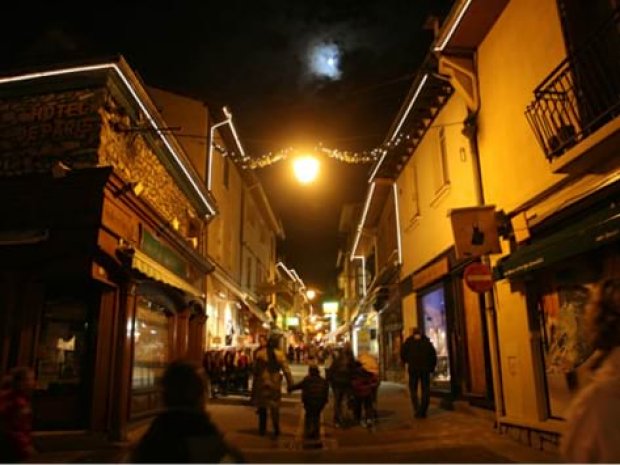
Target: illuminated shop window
{"type": "Point", "coordinates": [435, 328]}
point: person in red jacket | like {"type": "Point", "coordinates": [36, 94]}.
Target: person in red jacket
{"type": "Point", "coordinates": [16, 417]}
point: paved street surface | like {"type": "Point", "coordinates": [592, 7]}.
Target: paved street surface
{"type": "Point", "coordinates": [445, 436]}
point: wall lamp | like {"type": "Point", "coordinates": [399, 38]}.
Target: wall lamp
{"type": "Point", "coordinates": [134, 186]}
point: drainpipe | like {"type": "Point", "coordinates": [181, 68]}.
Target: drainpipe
{"type": "Point", "coordinates": [470, 130]}
{"type": "Point", "coordinates": [212, 129]}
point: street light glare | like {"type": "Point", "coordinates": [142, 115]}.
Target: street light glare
{"type": "Point", "coordinates": [311, 294]}
{"type": "Point", "coordinates": [306, 169]}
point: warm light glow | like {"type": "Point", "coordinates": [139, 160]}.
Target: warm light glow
{"type": "Point", "coordinates": [330, 308]}
{"type": "Point", "coordinates": [306, 169]}
{"type": "Point", "coordinates": [311, 294]}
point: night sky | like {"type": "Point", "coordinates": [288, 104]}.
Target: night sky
{"type": "Point", "coordinates": [255, 58]}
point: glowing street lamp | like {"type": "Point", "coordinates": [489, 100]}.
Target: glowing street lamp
{"type": "Point", "coordinates": [310, 294]}
{"type": "Point", "coordinates": [306, 169]}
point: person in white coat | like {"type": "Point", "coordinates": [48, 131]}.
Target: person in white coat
{"type": "Point", "coordinates": [593, 421]}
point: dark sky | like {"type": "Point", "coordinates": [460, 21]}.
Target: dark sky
{"type": "Point", "coordinates": [253, 57]}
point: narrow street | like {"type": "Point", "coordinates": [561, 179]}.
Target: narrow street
{"type": "Point", "coordinates": [443, 437]}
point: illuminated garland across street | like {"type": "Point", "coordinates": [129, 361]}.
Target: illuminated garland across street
{"type": "Point", "coordinates": [345, 156]}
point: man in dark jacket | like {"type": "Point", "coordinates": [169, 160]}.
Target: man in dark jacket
{"type": "Point", "coordinates": [420, 356]}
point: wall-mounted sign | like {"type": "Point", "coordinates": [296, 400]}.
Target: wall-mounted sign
{"type": "Point", "coordinates": [475, 231]}
{"type": "Point", "coordinates": [163, 254]}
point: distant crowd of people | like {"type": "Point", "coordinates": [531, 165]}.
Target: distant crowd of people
{"type": "Point", "coordinates": [228, 371]}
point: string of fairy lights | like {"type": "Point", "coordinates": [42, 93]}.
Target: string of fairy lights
{"type": "Point", "coordinates": [270, 158]}
{"type": "Point", "coordinates": [345, 156]}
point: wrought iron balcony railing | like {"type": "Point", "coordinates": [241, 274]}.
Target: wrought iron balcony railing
{"type": "Point", "coordinates": [580, 95]}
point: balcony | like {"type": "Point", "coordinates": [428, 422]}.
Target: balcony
{"type": "Point", "coordinates": [576, 107]}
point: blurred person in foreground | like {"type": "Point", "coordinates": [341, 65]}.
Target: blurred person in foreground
{"type": "Point", "coordinates": [184, 432]}
{"type": "Point", "coordinates": [593, 420]}
{"type": "Point", "coordinates": [16, 416]}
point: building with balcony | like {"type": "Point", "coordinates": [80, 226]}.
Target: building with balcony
{"type": "Point", "coordinates": [541, 82]}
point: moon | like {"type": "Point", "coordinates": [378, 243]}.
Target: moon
{"type": "Point", "coordinates": [324, 60]}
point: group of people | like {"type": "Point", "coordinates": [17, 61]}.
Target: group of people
{"type": "Point", "coordinates": [355, 384]}
{"type": "Point", "coordinates": [228, 371]}
{"type": "Point", "coordinates": [351, 379]}
{"type": "Point", "coordinates": [302, 353]}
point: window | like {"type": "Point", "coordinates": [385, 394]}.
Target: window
{"type": "Point", "coordinates": [151, 349]}
{"type": "Point", "coordinates": [412, 182]}
{"type": "Point", "coordinates": [62, 346]}
{"type": "Point", "coordinates": [226, 172]}
{"type": "Point", "coordinates": [436, 329]}
{"type": "Point", "coordinates": [440, 174]}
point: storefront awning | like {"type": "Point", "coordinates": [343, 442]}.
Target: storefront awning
{"type": "Point", "coordinates": [24, 237]}
{"type": "Point", "coordinates": [149, 267]}
{"type": "Point", "coordinates": [596, 230]}
{"type": "Point", "coordinates": [229, 283]}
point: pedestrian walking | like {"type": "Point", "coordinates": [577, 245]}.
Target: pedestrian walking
{"type": "Point", "coordinates": [339, 377]}
{"type": "Point", "coordinates": [184, 432]}
{"type": "Point", "coordinates": [593, 428]}
{"type": "Point", "coordinates": [16, 416]}
{"type": "Point", "coordinates": [298, 354]}
{"type": "Point", "coordinates": [421, 358]}
{"type": "Point", "coordinates": [314, 395]}
{"type": "Point", "coordinates": [269, 365]}
{"type": "Point", "coordinates": [364, 384]}
{"type": "Point", "coordinates": [290, 354]}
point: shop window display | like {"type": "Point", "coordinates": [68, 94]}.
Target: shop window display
{"type": "Point", "coordinates": [61, 348]}
{"type": "Point", "coordinates": [435, 328]}
{"type": "Point", "coordinates": [151, 345]}
{"type": "Point", "coordinates": [563, 296]}
{"type": "Point", "coordinates": [61, 366]}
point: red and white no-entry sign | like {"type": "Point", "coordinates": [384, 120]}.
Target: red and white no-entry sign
{"type": "Point", "coordinates": [478, 277]}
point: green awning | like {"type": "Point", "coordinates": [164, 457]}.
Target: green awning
{"type": "Point", "coordinates": [595, 230]}
{"type": "Point", "coordinates": [154, 270]}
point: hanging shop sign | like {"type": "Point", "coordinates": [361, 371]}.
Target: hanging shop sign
{"type": "Point", "coordinates": [478, 277]}
{"type": "Point", "coordinates": [475, 231]}
{"type": "Point", "coordinates": [160, 252]}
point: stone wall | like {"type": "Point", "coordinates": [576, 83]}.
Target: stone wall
{"type": "Point", "coordinates": [133, 159]}
{"type": "Point", "coordinates": [83, 128]}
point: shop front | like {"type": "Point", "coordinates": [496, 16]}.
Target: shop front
{"type": "Point", "coordinates": [365, 333]}
{"type": "Point", "coordinates": [559, 272]}
{"type": "Point", "coordinates": [452, 316]}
